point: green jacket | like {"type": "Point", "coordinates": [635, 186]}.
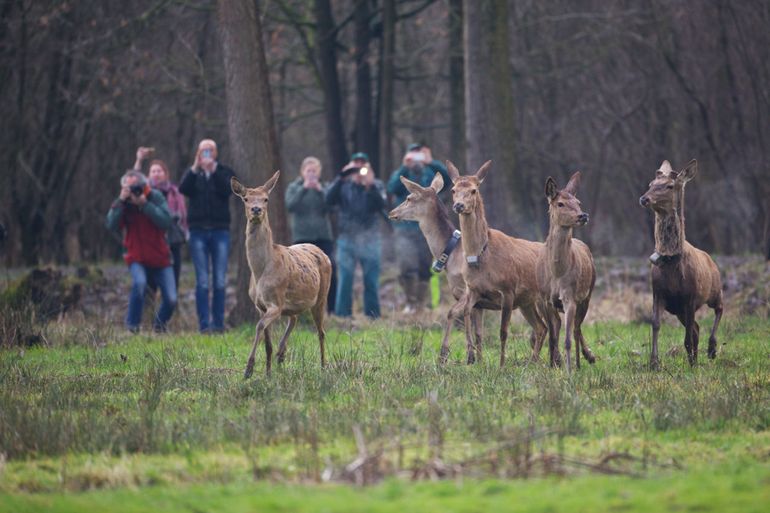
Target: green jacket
{"type": "Point", "coordinates": [308, 213]}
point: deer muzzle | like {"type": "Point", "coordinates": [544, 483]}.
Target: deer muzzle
{"type": "Point", "coordinates": [256, 211]}
{"type": "Point", "coordinates": [583, 219]}
{"type": "Point", "coordinates": [459, 208]}
{"type": "Point", "coordinates": [644, 201]}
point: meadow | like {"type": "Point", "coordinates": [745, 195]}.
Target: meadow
{"type": "Point", "coordinates": [166, 422]}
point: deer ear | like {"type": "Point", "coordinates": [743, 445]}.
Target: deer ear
{"type": "Point", "coordinates": [270, 184]}
{"type": "Point", "coordinates": [454, 174]}
{"type": "Point", "coordinates": [573, 183]}
{"type": "Point", "coordinates": [438, 183]}
{"type": "Point", "coordinates": [410, 185]}
{"type": "Point", "coordinates": [238, 189]}
{"type": "Point", "coordinates": [665, 166]}
{"type": "Point", "coordinates": [483, 170]}
{"type": "Point", "coordinates": [689, 172]}
{"type": "Point", "coordinates": [551, 189]}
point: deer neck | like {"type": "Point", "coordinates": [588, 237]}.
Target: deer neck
{"type": "Point", "coordinates": [437, 229]}
{"type": "Point", "coordinates": [475, 231]}
{"type": "Point", "coordinates": [558, 247]}
{"type": "Point", "coordinates": [669, 229]}
{"type": "Point", "coordinates": [259, 246]}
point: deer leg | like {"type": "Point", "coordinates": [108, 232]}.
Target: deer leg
{"type": "Point", "coordinates": [268, 317]}
{"type": "Point", "coordinates": [268, 351]}
{"type": "Point", "coordinates": [654, 361]}
{"type": "Point", "coordinates": [477, 321]}
{"type": "Point", "coordinates": [695, 337]}
{"type": "Point", "coordinates": [539, 329]}
{"type": "Point", "coordinates": [454, 312]}
{"type": "Point", "coordinates": [582, 310]}
{"type": "Point", "coordinates": [470, 300]}
{"type": "Point", "coordinates": [554, 326]}
{"type": "Point", "coordinates": [713, 336]}
{"type": "Point", "coordinates": [505, 320]}
{"type": "Point", "coordinates": [319, 311]}
{"type": "Point", "coordinates": [281, 355]}
{"type": "Point", "coordinates": [688, 319]}
{"type": "Point", "coordinates": [569, 321]}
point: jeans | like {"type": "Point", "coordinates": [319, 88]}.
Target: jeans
{"type": "Point", "coordinates": [210, 248]}
{"type": "Point", "coordinates": [364, 248]}
{"type": "Point", "coordinates": [164, 278]}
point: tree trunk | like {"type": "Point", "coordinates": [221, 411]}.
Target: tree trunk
{"type": "Point", "coordinates": [327, 41]}
{"type": "Point", "coordinates": [489, 107]}
{"type": "Point", "coordinates": [364, 138]}
{"type": "Point", "coordinates": [456, 83]}
{"type": "Point", "coordinates": [387, 76]}
{"type": "Point", "coordinates": [251, 129]}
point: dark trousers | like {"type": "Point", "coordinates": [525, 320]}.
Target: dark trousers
{"type": "Point", "coordinates": [176, 264]}
{"type": "Point", "coordinates": [327, 247]}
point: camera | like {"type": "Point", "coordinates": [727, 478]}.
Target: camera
{"type": "Point", "coordinates": [206, 154]}
{"type": "Point", "coordinates": [137, 189]}
{"type": "Point", "coordinates": [349, 171]}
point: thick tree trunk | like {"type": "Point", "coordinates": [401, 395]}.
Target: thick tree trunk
{"type": "Point", "coordinates": [364, 138]}
{"type": "Point", "coordinates": [253, 142]}
{"type": "Point", "coordinates": [387, 76]}
{"type": "Point", "coordinates": [489, 108]}
{"type": "Point", "coordinates": [456, 83]}
{"type": "Point", "coordinates": [327, 40]}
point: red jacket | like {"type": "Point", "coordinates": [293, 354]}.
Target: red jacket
{"type": "Point", "coordinates": [144, 230]}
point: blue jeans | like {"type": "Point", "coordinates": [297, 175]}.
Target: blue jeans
{"type": "Point", "coordinates": [210, 247]}
{"type": "Point", "coordinates": [164, 278]}
{"type": "Point", "coordinates": [364, 248]}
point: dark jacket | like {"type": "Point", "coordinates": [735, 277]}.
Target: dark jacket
{"type": "Point", "coordinates": [209, 207]}
{"type": "Point", "coordinates": [399, 193]}
{"type": "Point", "coordinates": [144, 230]}
{"type": "Point", "coordinates": [358, 208]}
{"type": "Point", "coordinates": [308, 213]}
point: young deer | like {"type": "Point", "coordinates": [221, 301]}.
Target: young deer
{"type": "Point", "coordinates": [684, 278]}
{"type": "Point", "coordinates": [497, 269]}
{"type": "Point", "coordinates": [424, 206]}
{"type": "Point", "coordinates": [285, 281]}
{"type": "Point", "coordinates": [565, 270]}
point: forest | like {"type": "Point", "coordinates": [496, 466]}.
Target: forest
{"type": "Point", "coordinates": [540, 88]}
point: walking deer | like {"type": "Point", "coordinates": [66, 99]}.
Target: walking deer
{"type": "Point", "coordinates": [285, 281]}
{"type": "Point", "coordinates": [497, 269]}
{"type": "Point", "coordinates": [565, 270]}
{"type": "Point", "coordinates": [684, 278]}
{"type": "Point", "coordinates": [424, 206]}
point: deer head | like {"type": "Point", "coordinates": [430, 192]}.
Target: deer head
{"type": "Point", "coordinates": [665, 190]}
{"type": "Point", "coordinates": [255, 200]}
{"type": "Point", "coordinates": [421, 201]}
{"type": "Point", "coordinates": [465, 193]}
{"type": "Point", "coordinates": [563, 207]}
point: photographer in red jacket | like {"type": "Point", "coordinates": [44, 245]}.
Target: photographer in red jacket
{"type": "Point", "coordinates": [142, 215]}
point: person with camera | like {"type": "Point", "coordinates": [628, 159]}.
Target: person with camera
{"type": "Point", "coordinates": [207, 187]}
{"type": "Point", "coordinates": [309, 216]}
{"type": "Point", "coordinates": [359, 198]}
{"type": "Point", "coordinates": [412, 251]}
{"type": "Point", "coordinates": [177, 235]}
{"type": "Point", "coordinates": [141, 213]}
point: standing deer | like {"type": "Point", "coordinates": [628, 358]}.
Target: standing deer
{"type": "Point", "coordinates": [285, 281]}
{"type": "Point", "coordinates": [424, 206]}
{"type": "Point", "coordinates": [684, 278]}
{"type": "Point", "coordinates": [565, 270]}
{"type": "Point", "coordinates": [497, 269]}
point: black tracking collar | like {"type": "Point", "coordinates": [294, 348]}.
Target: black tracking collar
{"type": "Point", "coordinates": [658, 259]}
{"type": "Point", "coordinates": [440, 263]}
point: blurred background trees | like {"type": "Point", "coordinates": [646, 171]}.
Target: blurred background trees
{"type": "Point", "coordinates": [539, 87]}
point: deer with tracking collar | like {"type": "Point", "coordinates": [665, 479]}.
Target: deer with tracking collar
{"type": "Point", "coordinates": [684, 278]}
{"type": "Point", "coordinates": [424, 206]}
{"type": "Point", "coordinates": [285, 281]}
{"type": "Point", "coordinates": [565, 270]}
{"type": "Point", "coordinates": [497, 269]}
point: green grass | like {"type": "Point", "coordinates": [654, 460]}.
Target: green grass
{"type": "Point", "coordinates": [142, 421]}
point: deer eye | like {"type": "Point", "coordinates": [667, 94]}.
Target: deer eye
{"type": "Point", "coordinates": [473, 191]}
{"type": "Point", "coordinates": [560, 204]}
{"type": "Point", "coordinates": [669, 187]}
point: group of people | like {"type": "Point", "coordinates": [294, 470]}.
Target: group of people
{"type": "Point", "coordinates": [156, 222]}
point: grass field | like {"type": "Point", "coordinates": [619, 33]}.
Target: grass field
{"type": "Point", "coordinates": [166, 423]}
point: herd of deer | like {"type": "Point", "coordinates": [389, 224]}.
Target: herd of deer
{"type": "Point", "coordinates": [493, 271]}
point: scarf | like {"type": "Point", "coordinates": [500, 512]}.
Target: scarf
{"type": "Point", "coordinates": [176, 204]}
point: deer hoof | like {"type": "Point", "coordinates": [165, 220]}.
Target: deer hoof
{"type": "Point", "coordinates": [280, 357]}
{"type": "Point", "coordinates": [249, 369]}
{"type": "Point", "coordinates": [471, 359]}
{"type": "Point", "coordinates": [654, 363]}
{"type": "Point", "coordinates": [588, 355]}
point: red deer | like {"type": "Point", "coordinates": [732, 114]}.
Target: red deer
{"type": "Point", "coordinates": [424, 206]}
{"type": "Point", "coordinates": [684, 278]}
{"type": "Point", "coordinates": [285, 281]}
{"type": "Point", "coordinates": [565, 270]}
{"type": "Point", "coordinates": [497, 269]}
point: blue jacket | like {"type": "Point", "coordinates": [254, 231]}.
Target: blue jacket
{"type": "Point", "coordinates": [399, 193]}
{"type": "Point", "coordinates": [358, 208]}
